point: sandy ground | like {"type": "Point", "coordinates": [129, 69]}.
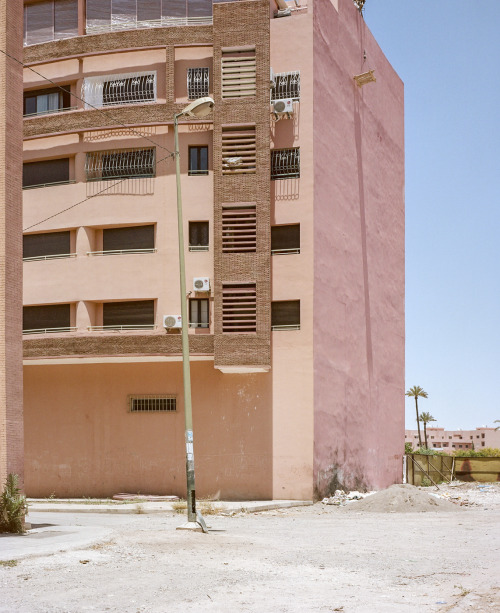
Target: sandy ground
{"type": "Point", "coordinates": [320, 558]}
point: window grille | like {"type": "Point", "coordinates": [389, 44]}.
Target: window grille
{"type": "Point", "coordinates": [238, 73]}
{"type": "Point", "coordinates": [122, 163]}
{"type": "Point", "coordinates": [238, 150]}
{"type": "Point", "coordinates": [285, 163]}
{"type": "Point", "coordinates": [130, 88]}
{"type": "Point", "coordinates": [149, 403]}
{"type": "Point", "coordinates": [197, 83]}
{"type": "Point", "coordinates": [199, 313]}
{"type": "Point", "coordinates": [239, 228]}
{"type": "Point", "coordinates": [50, 20]}
{"type": "Point", "coordinates": [285, 315]}
{"type": "Point", "coordinates": [287, 85]}
{"type": "Point", "coordinates": [107, 16]}
{"type": "Point", "coordinates": [239, 308]}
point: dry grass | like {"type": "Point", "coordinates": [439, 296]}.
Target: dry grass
{"type": "Point", "coordinates": [9, 563]}
{"type": "Point", "coordinates": [206, 507]}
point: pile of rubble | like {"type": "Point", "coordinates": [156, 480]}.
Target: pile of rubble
{"type": "Point", "coordinates": [341, 498]}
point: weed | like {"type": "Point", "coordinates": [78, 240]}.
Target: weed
{"type": "Point", "coordinates": [426, 482]}
{"type": "Point", "coordinates": [206, 507]}
{"type": "Point", "coordinates": [9, 563]}
{"type": "Point", "coordinates": [139, 509]}
{"type": "Point", "coordinates": [463, 590]}
{"type": "Point", "coordinates": [13, 507]}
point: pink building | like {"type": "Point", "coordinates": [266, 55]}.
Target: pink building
{"type": "Point", "coordinates": [294, 213]}
{"type": "Point", "coordinates": [455, 440]}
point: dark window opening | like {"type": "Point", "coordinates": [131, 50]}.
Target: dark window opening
{"type": "Point", "coordinates": [133, 238]}
{"type": "Point", "coordinates": [48, 316]}
{"type": "Point", "coordinates": [285, 315]}
{"type": "Point", "coordinates": [46, 245]}
{"type": "Point", "coordinates": [46, 173]}
{"type": "Point", "coordinates": [133, 314]}
{"type": "Point", "coordinates": [198, 160]}
{"type": "Point", "coordinates": [198, 236]}
{"type": "Point", "coordinates": [285, 239]}
{"type": "Point", "coordinates": [45, 101]}
{"type": "Point", "coordinates": [199, 313]}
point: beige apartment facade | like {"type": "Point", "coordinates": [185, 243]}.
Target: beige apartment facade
{"type": "Point", "coordinates": [293, 216]}
{"type": "Point", "coordinates": [456, 440]}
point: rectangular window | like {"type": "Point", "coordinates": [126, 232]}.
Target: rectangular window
{"type": "Point", "coordinates": [238, 73]}
{"type": "Point", "coordinates": [50, 20]}
{"type": "Point", "coordinates": [125, 163]}
{"type": "Point", "coordinates": [286, 86]}
{"type": "Point", "coordinates": [285, 239]}
{"type": "Point", "coordinates": [285, 163]}
{"type": "Point", "coordinates": [41, 102]}
{"type": "Point", "coordinates": [239, 228]}
{"type": "Point", "coordinates": [198, 236]}
{"type": "Point", "coordinates": [129, 239]}
{"type": "Point", "coordinates": [199, 313]}
{"type": "Point", "coordinates": [47, 245]}
{"type": "Point", "coordinates": [197, 83]}
{"type": "Point", "coordinates": [149, 403]}
{"type": "Point", "coordinates": [198, 160]}
{"type": "Point", "coordinates": [238, 150]}
{"type": "Point", "coordinates": [134, 314]}
{"type": "Point", "coordinates": [47, 318]}
{"type": "Point", "coordinates": [239, 308]}
{"type": "Point", "coordinates": [285, 315]}
{"type": "Point", "coordinates": [130, 88]}
{"type": "Point", "coordinates": [48, 172]}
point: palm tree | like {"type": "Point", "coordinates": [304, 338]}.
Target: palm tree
{"type": "Point", "coordinates": [425, 418]}
{"type": "Point", "coordinates": [416, 391]}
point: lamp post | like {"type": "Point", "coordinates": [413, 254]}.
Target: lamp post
{"type": "Point", "coordinates": [199, 108]}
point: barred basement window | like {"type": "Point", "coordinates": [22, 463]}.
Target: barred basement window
{"type": "Point", "coordinates": [238, 73]}
{"type": "Point", "coordinates": [239, 228]}
{"type": "Point", "coordinates": [130, 88]}
{"type": "Point", "coordinates": [197, 83]}
{"type": "Point", "coordinates": [238, 150]}
{"type": "Point", "coordinates": [152, 403]}
{"type": "Point", "coordinates": [239, 308]}
{"type": "Point", "coordinates": [285, 163]}
{"type": "Point", "coordinates": [287, 85]}
{"type": "Point", "coordinates": [123, 163]}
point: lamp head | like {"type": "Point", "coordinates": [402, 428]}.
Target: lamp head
{"type": "Point", "coordinates": [198, 108]}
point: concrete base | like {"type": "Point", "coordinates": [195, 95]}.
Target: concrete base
{"type": "Point", "coordinates": [190, 525]}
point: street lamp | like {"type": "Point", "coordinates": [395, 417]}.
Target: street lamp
{"type": "Point", "coordinates": [199, 108]}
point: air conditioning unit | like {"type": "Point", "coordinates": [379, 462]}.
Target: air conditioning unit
{"type": "Point", "coordinates": [282, 106]}
{"type": "Point", "coordinates": [172, 321]}
{"type": "Point", "coordinates": [201, 284]}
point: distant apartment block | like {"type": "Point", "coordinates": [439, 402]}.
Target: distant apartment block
{"type": "Point", "coordinates": [456, 440]}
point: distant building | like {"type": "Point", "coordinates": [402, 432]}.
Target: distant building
{"type": "Point", "coordinates": [456, 440]}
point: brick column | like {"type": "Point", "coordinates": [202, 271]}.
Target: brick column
{"type": "Point", "coordinates": [11, 374]}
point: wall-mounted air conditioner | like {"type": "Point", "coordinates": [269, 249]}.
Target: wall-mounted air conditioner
{"type": "Point", "coordinates": [201, 284]}
{"type": "Point", "coordinates": [172, 321]}
{"type": "Point", "coordinates": [283, 106]}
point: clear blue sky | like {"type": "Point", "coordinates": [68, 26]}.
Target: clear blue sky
{"type": "Point", "coordinates": [448, 55]}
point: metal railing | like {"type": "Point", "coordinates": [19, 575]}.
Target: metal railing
{"type": "Point", "coordinates": [286, 85]}
{"type": "Point", "coordinates": [129, 88]}
{"type": "Point", "coordinates": [165, 22]}
{"type": "Point", "coordinates": [285, 251]}
{"type": "Point", "coordinates": [59, 256]}
{"type": "Point", "coordinates": [198, 247]}
{"type": "Point", "coordinates": [50, 330]}
{"type": "Point", "coordinates": [285, 163]}
{"type": "Point", "coordinates": [122, 251]}
{"type": "Point", "coordinates": [68, 182]}
{"type": "Point", "coordinates": [285, 327]}
{"type": "Point", "coordinates": [120, 163]}
{"type": "Point", "coordinates": [51, 111]}
{"type": "Point", "coordinates": [121, 328]}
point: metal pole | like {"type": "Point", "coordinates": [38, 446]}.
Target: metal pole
{"type": "Point", "coordinates": [188, 412]}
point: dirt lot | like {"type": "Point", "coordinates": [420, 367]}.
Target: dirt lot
{"type": "Point", "coordinates": [320, 558]}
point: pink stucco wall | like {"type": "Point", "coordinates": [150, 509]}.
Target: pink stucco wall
{"type": "Point", "coordinates": [358, 257]}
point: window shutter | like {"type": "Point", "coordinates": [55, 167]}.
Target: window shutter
{"type": "Point", "coordinates": [239, 228]}
{"type": "Point", "coordinates": [49, 171]}
{"type": "Point", "coordinates": [136, 237]}
{"type": "Point", "coordinates": [285, 238]}
{"type": "Point", "coordinates": [66, 19]}
{"type": "Point", "coordinates": [46, 316]}
{"type": "Point", "coordinates": [285, 313]}
{"type": "Point", "coordinates": [39, 22]}
{"type": "Point", "coordinates": [135, 313]}
{"type": "Point", "coordinates": [238, 73]}
{"type": "Point", "coordinates": [98, 16]}
{"type": "Point", "coordinates": [239, 308]}
{"type": "Point", "coordinates": [238, 150]}
{"type": "Point", "coordinates": [50, 243]}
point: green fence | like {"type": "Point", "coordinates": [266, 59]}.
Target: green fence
{"type": "Point", "coordinates": [439, 468]}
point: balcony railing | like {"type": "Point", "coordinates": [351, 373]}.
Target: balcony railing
{"type": "Point", "coordinates": [55, 183]}
{"type": "Point", "coordinates": [59, 256]}
{"type": "Point", "coordinates": [285, 251]}
{"type": "Point", "coordinates": [282, 327]}
{"type": "Point", "coordinates": [122, 251]}
{"type": "Point", "coordinates": [50, 330]}
{"type": "Point", "coordinates": [121, 328]}
{"type": "Point", "coordinates": [51, 111]}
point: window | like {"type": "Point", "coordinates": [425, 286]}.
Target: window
{"type": "Point", "coordinates": [197, 83]}
{"type": "Point", "coordinates": [198, 160]}
{"type": "Point", "coordinates": [238, 73]}
{"type": "Point", "coordinates": [285, 315]}
{"type": "Point", "coordinates": [482, 435]}
{"type": "Point", "coordinates": [130, 239]}
{"type": "Point", "coordinates": [198, 236]}
{"type": "Point", "coordinates": [238, 150]}
{"type": "Point", "coordinates": [47, 318]}
{"type": "Point", "coordinates": [135, 314]}
{"type": "Point", "coordinates": [47, 245]}
{"type": "Point", "coordinates": [285, 239]}
{"type": "Point", "coordinates": [45, 101]}
{"type": "Point", "coordinates": [50, 20]}
{"type": "Point", "coordinates": [125, 163]}
{"type": "Point", "coordinates": [482, 443]}
{"type": "Point", "coordinates": [286, 85]}
{"type": "Point", "coordinates": [131, 88]}
{"type": "Point", "coordinates": [38, 174]}
{"type": "Point", "coordinates": [199, 313]}
{"type": "Point", "coordinates": [239, 228]}
{"type": "Point", "coordinates": [152, 403]}
{"type": "Point", "coordinates": [239, 308]}
{"type": "Point", "coordinates": [285, 163]}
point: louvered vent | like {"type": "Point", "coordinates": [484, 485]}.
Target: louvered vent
{"type": "Point", "coordinates": [239, 228]}
{"type": "Point", "coordinates": [239, 308]}
{"type": "Point", "coordinates": [238, 73]}
{"type": "Point", "coordinates": [238, 150]}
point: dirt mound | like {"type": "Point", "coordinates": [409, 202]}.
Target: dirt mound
{"type": "Point", "coordinates": [401, 498]}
